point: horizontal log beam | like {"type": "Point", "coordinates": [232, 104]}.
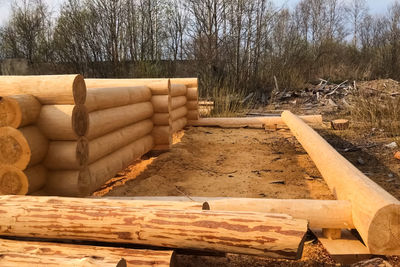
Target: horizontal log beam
{"type": "Point", "coordinates": [256, 122]}
{"type": "Point", "coordinates": [376, 213]}
{"type": "Point", "coordinates": [271, 235]}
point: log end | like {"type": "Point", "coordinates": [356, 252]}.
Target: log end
{"type": "Point", "coordinates": [80, 120]}
{"type": "Point", "coordinates": [14, 148]}
{"type": "Point", "coordinates": [79, 90]}
{"type": "Point", "coordinates": [384, 231]}
{"type": "Point", "coordinates": [12, 181]}
{"type": "Point", "coordinates": [82, 151]}
{"type": "Point", "coordinates": [10, 114]}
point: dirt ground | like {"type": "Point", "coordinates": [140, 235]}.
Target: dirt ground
{"type": "Point", "coordinates": [247, 163]}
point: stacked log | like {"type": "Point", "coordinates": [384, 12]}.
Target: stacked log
{"type": "Point", "coordinates": [160, 99]}
{"type": "Point", "coordinates": [192, 96]}
{"type": "Point", "coordinates": [118, 131]}
{"type": "Point", "coordinates": [179, 109]}
{"type": "Point", "coordinates": [23, 147]}
{"type": "Point", "coordinates": [261, 234]}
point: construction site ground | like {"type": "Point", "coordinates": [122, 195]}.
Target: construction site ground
{"type": "Point", "coordinates": [252, 163]}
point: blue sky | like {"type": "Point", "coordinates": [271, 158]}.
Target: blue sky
{"type": "Point", "coordinates": [375, 6]}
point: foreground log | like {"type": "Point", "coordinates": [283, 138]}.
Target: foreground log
{"type": "Point", "coordinates": [21, 148]}
{"type": "Point", "coordinates": [319, 213]}
{"type": "Point", "coordinates": [376, 213]}
{"type": "Point", "coordinates": [67, 155]}
{"type": "Point", "coordinates": [13, 181]}
{"type": "Point", "coordinates": [63, 122]}
{"type": "Point", "coordinates": [109, 143]}
{"type": "Point", "coordinates": [48, 89]}
{"type": "Point", "coordinates": [107, 167]}
{"type": "Point", "coordinates": [19, 110]}
{"type": "Point", "coordinates": [105, 121]}
{"type": "Point", "coordinates": [111, 97]}
{"type": "Point", "coordinates": [257, 122]}
{"type": "Point", "coordinates": [272, 235]}
{"type": "Point", "coordinates": [46, 253]}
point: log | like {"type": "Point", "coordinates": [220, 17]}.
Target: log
{"type": "Point", "coordinates": [111, 97]}
{"type": "Point", "coordinates": [162, 135]}
{"type": "Point", "coordinates": [19, 110]}
{"type": "Point", "coordinates": [68, 182]}
{"type": "Point", "coordinates": [109, 143]}
{"type": "Point", "coordinates": [107, 167]}
{"type": "Point", "coordinates": [188, 82]}
{"type": "Point", "coordinates": [178, 113]}
{"type": "Point", "coordinates": [177, 102]}
{"type": "Point", "coordinates": [106, 256]}
{"type": "Point", "coordinates": [192, 94]}
{"type": "Point", "coordinates": [105, 121]}
{"type": "Point", "coordinates": [178, 90]}
{"type": "Point", "coordinates": [67, 155]}
{"type": "Point", "coordinates": [161, 119]}
{"type": "Point", "coordinates": [21, 148]}
{"type": "Point", "coordinates": [376, 213]}
{"type": "Point", "coordinates": [192, 105]}
{"type": "Point", "coordinates": [257, 122]}
{"type": "Point", "coordinates": [340, 124]}
{"type": "Point", "coordinates": [158, 86]}
{"type": "Point", "coordinates": [13, 181]}
{"type": "Point", "coordinates": [271, 235]}
{"type": "Point", "coordinates": [178, 124]}
{"type": "Point", "coordinates": [192, 116]}
{"type": "Point", "coordinates": [161, 103]}
{"type": "Point", "coordinates": [48, 89]}
{"type": "Point", "coordinates": [63, 122]}
{"type": "Point", "coordinates": [161, 148]}
{"type": "Point", "coordinates": [318, 213]}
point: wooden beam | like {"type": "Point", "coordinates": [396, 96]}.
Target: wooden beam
{"type": "Point", "coordinates": [319, 213]}
{"type": "Point", "coordinates": [270, 235]}
{"type": "Point", "coordinates": [48, 89]}
{"type": "Point", "coordinates": [28, 253]}
{"type": "Point", "coordinates": [257, 122]}
{"type": "Point", "coordinates": [376, 213]}
{"type": "Point", "coordinates": [19, 110]}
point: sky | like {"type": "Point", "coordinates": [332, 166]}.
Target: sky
{"type": "Point", "coordinates": [375, 6]}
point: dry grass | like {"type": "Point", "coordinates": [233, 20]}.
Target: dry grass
{"type": "Point", "coordinates": [379, 110]}
{"type": "Point", "coordinates": [229, 102]}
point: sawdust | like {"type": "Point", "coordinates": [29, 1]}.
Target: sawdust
{"type": "Point", "coordinates": [214, 162]}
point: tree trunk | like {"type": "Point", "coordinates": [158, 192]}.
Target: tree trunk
{"type": "Point", "coordinates": [269, 235]}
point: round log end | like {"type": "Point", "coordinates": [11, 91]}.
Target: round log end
{"type": "Point", "coordinates": [84, 182]}
{"type": "Point", "coordinates": [82, 151]}
{"type": "Point", "coordinates": [14, 148]}
{"type": "Point", "coordinates": [384, 231]}
{"type": "Point", "coordinates": [10, 113]}
{"type": "Point", "coordinates": [206, 206]}
{"type": "Point", "coordinates": [12, 181]}
{"type": "Point", "coordinates": [79, 90]}
{"type": "Point", "coordinates": [80, 120]}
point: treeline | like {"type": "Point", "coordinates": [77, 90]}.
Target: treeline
{"type": "Point", "coordinates": [240, 44]}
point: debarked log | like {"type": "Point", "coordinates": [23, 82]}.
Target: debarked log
{"type": "Point", "coordinates": [48, 89]}
{"type": "Point", "coordinates": [375, 212]}
{"type": "Point", "coordinates": [29, 253]}
{"type": "Point", "coordinates": [19, 110]}
{"type": "Point", "coordinates": [271, 235]}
